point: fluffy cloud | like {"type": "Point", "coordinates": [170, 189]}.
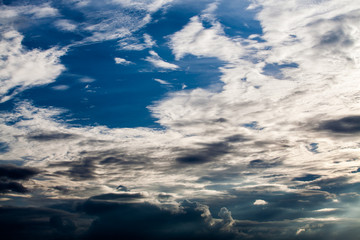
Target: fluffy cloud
{"type": "Point", "coordinates": [122, 61]}
{"type": "Point", "coordinates": [22, 68]}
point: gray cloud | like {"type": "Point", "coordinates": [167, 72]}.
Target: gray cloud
{"type": "Point", "coordinates": [346, 125]}
{"type": "Point", "coordinates": [51, 136]}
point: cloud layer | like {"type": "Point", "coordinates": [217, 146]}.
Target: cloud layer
{"type": "Point", "coordinates": [271, 154]}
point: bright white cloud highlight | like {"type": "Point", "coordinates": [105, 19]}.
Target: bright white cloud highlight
{"type": "Point", "coordinates": [66, 25]}
{"type": "Point", "coordinates": [260, 202]}
{"type": "Point", "coordinates": [161, 81]}
{"type": "Point", "coordinates": [122, 61]}
{"type": "Point", "coordinates": [21, 69]}
{"type": "Point", "coordinates": [156, 60]}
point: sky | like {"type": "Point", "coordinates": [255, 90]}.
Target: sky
{"type": "Point", "coordinates": [179, 119]}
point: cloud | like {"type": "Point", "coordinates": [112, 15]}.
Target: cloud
{"type": "Point", "coordinates": [22, 68]}
{"type": "Point", "coordinates": [156, 60]}
{"type": "Point", "coordinates": [66, 25]}
{"type": "Point", "coordinates": [346, 125]}
{"type": "Point", "coordinates": [248, 140]}
{"type": "Point", "coordinates": [61, 87]}
{"type": "Point", "coordinates": [44, 11]}
{"type": "Point", "coordinates": [161, 81]}
{"type": "Point", "coordinates": [197, 40]}
{"type": "Point", "coordinates": [260, 202]}
{"type": "Point", "coordinates": [17, 173]}
{"type": "Point", "coordinates": [9, 173]}
{"type": "Point", "coordinates": [122, 61]}
{"type": "Point", "coordinates": [50, 136]}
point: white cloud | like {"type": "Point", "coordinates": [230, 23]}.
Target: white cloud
{"type": "Point", "coordinates": [44, 11]}
{"type": "Point", "coordinates": [22, 69]}
{"type": "Point", "coordinates": [149, 5]}
{"type": "Point", "coordinates": [86, 80]}
{"type": "Point", "coordinates": [326, 210]}
{"type": "Point", "coordinates": [134, 44]}
{"type": "Point", "coordinates": [61, 87]}
{"type": "Point", "coordinates": [122, 61]}
{"type": "Point", "coordinates": [66, 25]}
{"type": "Point", "coordinates": [197, 40]}
{"type": "Point", "coordinates": [156, 60]}
{"type": "Point", "coordinates": [300, 230]}
{"type": "Point", "coordinates": [259, 202]}
{"type": "Point", "coordinates": [161, 81]}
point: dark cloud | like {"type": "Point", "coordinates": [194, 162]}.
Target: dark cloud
{"type": "Point", "coordinates": [4, 147]}
{"type": "Point", "coordinates": [307, 177]}
{"type": "Point", "coordinates": [118, 196]}
{"type": "Point", "coordinates": [146, 221]}
{"type": "Point", "coordinates": [122, 188]}
{"type": "Point", "coordinates": [51, 136]}
{"type": "Point", "coordinates": [10, 171]}
{"type": "Point", "coordinates": [210, 152]}
{"type": "Point", "coordinates": [236, 138]}
{"type": "Point", "coordinates": [36, 223]}
{"type": "Point", "coordinates": [336, 38]}
{"type": "Point", "coordinates": [6, 186]}
{"type": "Point", "coordinates": [83, 169]}
{"type": "Point", "coordinates": [346, 125]}
{"type": "Point", "coordinates": [259, 163]}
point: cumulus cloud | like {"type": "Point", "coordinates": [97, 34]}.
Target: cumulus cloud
{"type": "Point", "coordinates": [197, 40]}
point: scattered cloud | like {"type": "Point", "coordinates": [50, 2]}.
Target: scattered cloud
{"type": "Point", "coordinates": [161, 81]}
{"type": "Point", "coordinates": [61, 87]}
{"type": "Point", "coordinates": [66, 25]}
{"type": "Point", "coordinates": [156, 60]}
{"type": "Point", "coordinates": [122, 61]}
{"type": "Point", "coordinates": [260, 202]}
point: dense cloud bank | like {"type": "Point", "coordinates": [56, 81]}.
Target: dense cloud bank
{"type": "Point", "coordinates": [256, 108]}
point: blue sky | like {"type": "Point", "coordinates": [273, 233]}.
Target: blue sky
{"type": "Point", "coordinates": [168, 119]}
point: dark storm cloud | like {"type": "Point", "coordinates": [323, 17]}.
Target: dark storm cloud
{"type": "Point", "coordinates": [145, 221]}
{"type": "Point", "coordinates": [36, 223]}
{"type": "Point", "coordinates": [346, 125]}
{"type": "Point", "coordinates": [51, 136]}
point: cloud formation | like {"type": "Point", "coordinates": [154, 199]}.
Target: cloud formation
{"type": "Point", "coordinates": [272, 153]}
{"type": "Point", "coordinates": [22, 69]}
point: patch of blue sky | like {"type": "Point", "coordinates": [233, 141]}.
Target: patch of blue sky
{"type": "Point", "coordinates": [313, 147]}
{"type": "Point", "coordinates": [238, 20]}
{"type": "Point", "coordinates": [275, 69]}
{"type": "Point", "coordinates": [97, 91]}
{"type": "Point", "coordinates": [116, 95]}
{"type": "Point", "coordinates": [253, 125]}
